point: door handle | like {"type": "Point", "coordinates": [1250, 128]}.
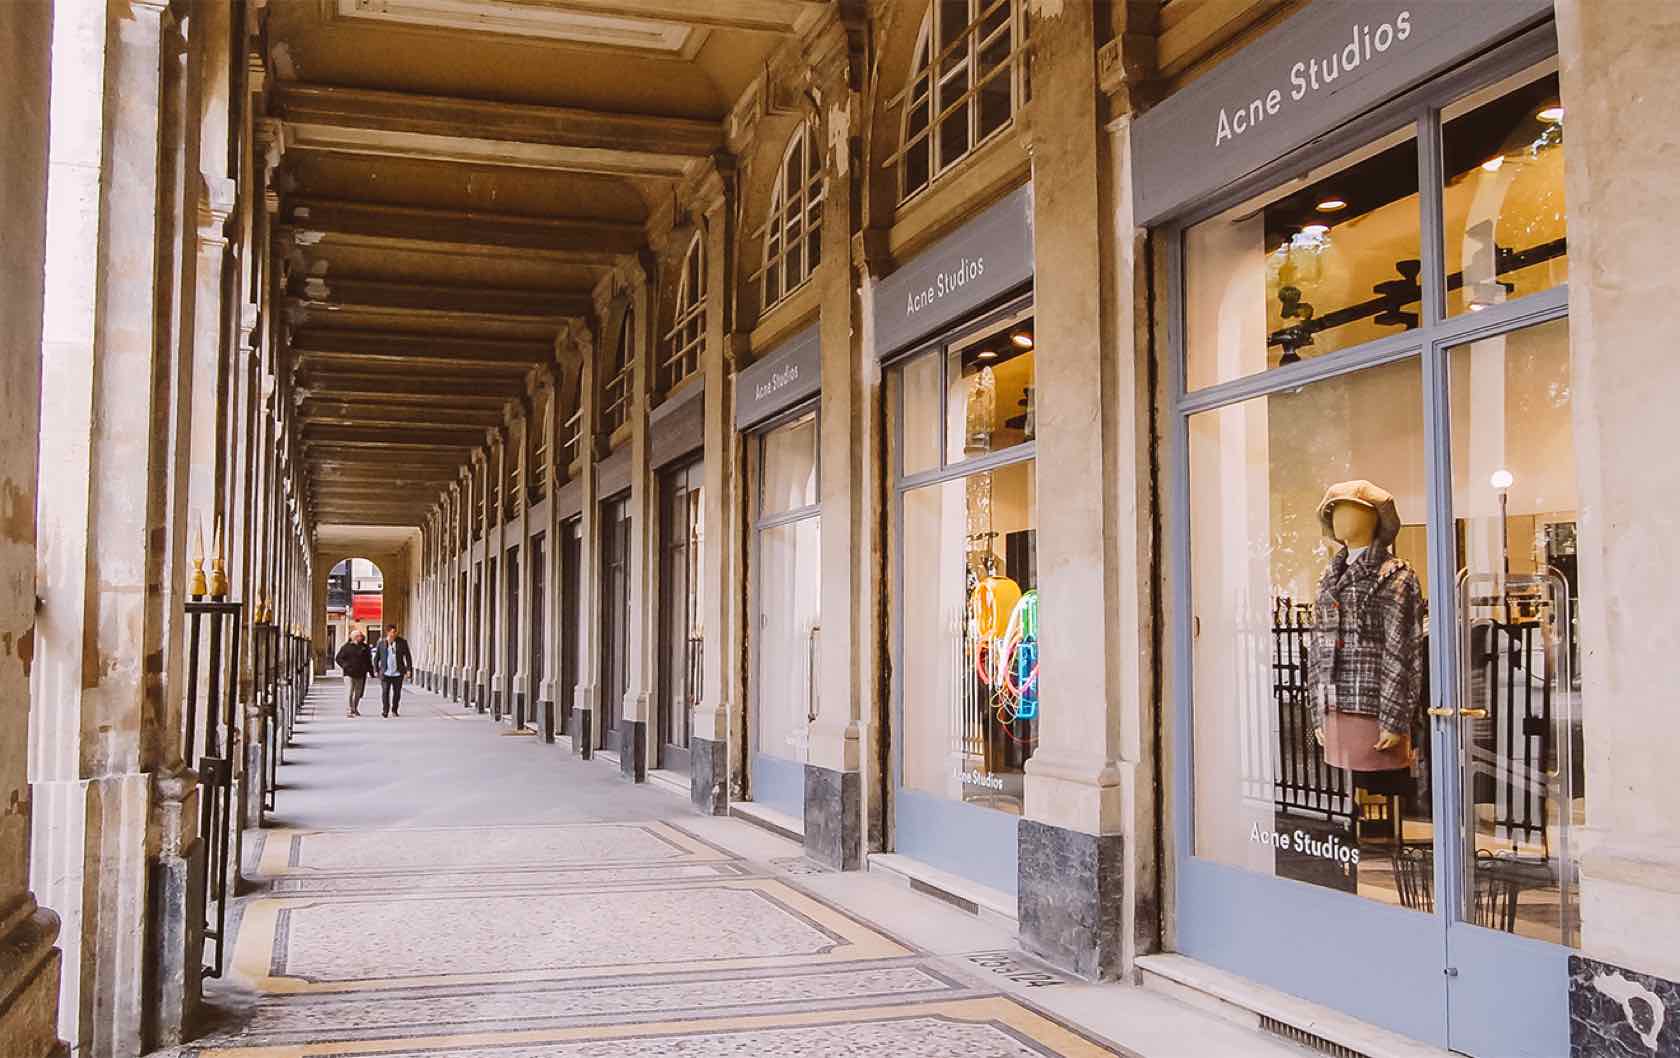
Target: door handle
{"type": "Point", "coordinates": [1473, 714]}
{"type": "Point", "coordinates": [1442, 711]}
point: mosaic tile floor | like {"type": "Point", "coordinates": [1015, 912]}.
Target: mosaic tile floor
{"type": "Point", "coordinates": [581, 939]}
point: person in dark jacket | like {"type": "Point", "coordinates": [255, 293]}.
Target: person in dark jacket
{"type": "Point", "coordinates": [392, 660]}
{"type": "Point", "coordinates": [355, 660]}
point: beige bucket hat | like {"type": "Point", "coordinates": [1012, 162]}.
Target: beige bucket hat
{"type": "Point", "coordinates": [1365, 494]}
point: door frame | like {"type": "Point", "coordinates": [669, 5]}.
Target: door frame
{"type": "Point", "coordinates": [1291, 934]}
{"type": "Point", "coordinates": [671, 714]}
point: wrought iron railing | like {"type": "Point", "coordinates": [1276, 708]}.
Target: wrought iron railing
{"type": "Point", "coordinates": [210, 719]}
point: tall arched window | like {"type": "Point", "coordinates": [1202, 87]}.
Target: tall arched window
{"type": "Point", "coordinates": [793, 230]}
{"type": "Point", "coordinates": [615, 393]}
{"type": "Point", "coordinates": [688, 322]}
{"type": "Point", "coordinates": [969, 80]}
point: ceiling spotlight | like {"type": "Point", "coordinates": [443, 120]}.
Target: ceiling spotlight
{"type": "Point", "coordinates": [1021, 340]}
{"type": "Point", "coordinates": [1315, 230]}
{"type": "Point", "coordinates": [1332, 205]}
{"type": "Point", "coordinates": [1501, 479]}
{"type": "Point", "coordinates": [986, 354]}
{"type": "Point", "coordinates": [1493, 164]}
{"type": "Point", "coordinates": [1552, 114]}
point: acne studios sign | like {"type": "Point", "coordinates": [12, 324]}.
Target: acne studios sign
{"type": "Point", "coordinates": [1318, 70]}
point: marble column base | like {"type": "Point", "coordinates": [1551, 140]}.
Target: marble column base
{"type": "Point", "coordinates": [1617, 1013]}
{"type": "Point", "coordinates": [1069, 903]}
{"type": "Point", "coordinates": [546, 720]}
{"type": "Point", "coordinates": [583, 733]}
{"type": "Point", "coordinates": [519, 713]}
{"type": "Point", "coordinates": [481, 698]}
{"type": "Point", "coordinates": [632, 749]}
{"type": "Point", "coordinates": [175, 978]}
{"type": "Point", "coordinates": [30, 965]}
{"type": "Point", "coordinates": [708, 776]}
{"type": "Point", "coordinates": [833, 817]}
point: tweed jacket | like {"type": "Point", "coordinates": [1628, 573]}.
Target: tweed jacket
{"type": "Point", "coordinates": [1367, 645]}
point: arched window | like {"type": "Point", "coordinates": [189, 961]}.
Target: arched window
{"type": "Point", "coordinates": [688, 322]}
{"type": "Point", "coordinates": [968, 82]}
{"type": "Point", "coordinates": [793, 230]}
{"type": "Point", "coordinates": [615, 403]}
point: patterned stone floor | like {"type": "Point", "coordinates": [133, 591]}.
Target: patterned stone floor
{"type": "Point", "coordinates": [557, 924]}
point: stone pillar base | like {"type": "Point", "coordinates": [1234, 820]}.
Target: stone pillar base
{"type": "Point", "coordinates": [632, 749]}
{"type": "Point", "coordinates": [833, 817]}
{"type": "Point", "coordinates": [546, 725]}
{"type": "Point", "coordinates": [519, 713]}
{"type": "Point", "coordinates": [29, 970]}
{"type": "Point", "coordinates": [175, 978]}
{"type": "Point", "coordinates": [708, 776]}
{"type": "Point", "coordinates": [1070, 899]}
{"type": "Point", "coordinates": [1615, 1012]}
{"type": "Point", "coordinates": [583, 733]}
{"type": "Point", "coordinates": [481, 698]}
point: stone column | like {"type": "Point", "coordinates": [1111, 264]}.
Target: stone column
{"type": "Point", "coordinates": [709, 745]}
{"type": "Point", "coordinates": [30, 965]}
{"type": "Point", "coordinates": [586, 695]}
{"type": "Point", "coordinates": [548, 695]}
{"type": "Point", "coordinates": [456, 567]}
{"type": "Point", "coordinates": [495, 544]}
{"type": "Point", "coordinates": [1082, 782]}
{"type": "Point", "coordinates": [1619, 82]}
{"type": "Point", "coordinates": [519, 698]}
{"type": "Point", "coordinates": [486, 585]}
{"type": "Point", "coordinates": [637, 729]}
{"type": "Point", "coordinates": [834, 781]}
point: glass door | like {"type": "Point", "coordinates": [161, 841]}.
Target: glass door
{"type": "Point", "coordinates": [539, 625]}
{"type": "Point", "coordinates": [787, 595]}
{"type": "Point", "coordinates": [571, 624]}
{"type": "Point", "coordinates": [682, 506]}
{"type": "Point", "coordinates": [513, 704]}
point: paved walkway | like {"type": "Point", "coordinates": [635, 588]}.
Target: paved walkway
{"type": "Point", "coordinates": [431, 886]}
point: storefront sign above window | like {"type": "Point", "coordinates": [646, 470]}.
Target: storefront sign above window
{"type": "Point", "coordinates": [1318, 70]}
{"type": "Point", "coordinates": [990, 255]}
{"type": "Point", "coordinates": [783, 377]}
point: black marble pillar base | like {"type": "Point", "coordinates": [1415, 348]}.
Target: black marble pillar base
{"type": "Point", "coordinates": [173, 984]}
{"type": "Point", "coordinates": [481, 698]}
{"type": "Point", "coordinates": [546, 720]}
{"type": "Point", "coordinates": [497, 709]}
{"type": "Point", "coordinates": [708, 776]}
{"type": "Point", "coordinates": [632, 749]}
{"type": "Point", "coordinates": [1617, 1013]}
{"type": "Point", "coordinates": [583, 733]}
{"type": "Point", "coordinates": [833, 817]}
{"type": "Point", "coordinates": [519, 713]}
{"type": "Point", "coordinates": [1069, 904]}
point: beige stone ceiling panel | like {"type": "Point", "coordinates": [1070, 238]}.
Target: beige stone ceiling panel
{"type": "Point", "coordinates": [443, 269]}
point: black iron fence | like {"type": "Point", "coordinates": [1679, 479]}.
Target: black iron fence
{"type": "Point", "coordinates": [211, 715]}
{"type": "Point", "coordinates": [1304, 782]}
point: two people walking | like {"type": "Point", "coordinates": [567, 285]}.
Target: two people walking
{"type": "Point", "coordinates": [392, 661]}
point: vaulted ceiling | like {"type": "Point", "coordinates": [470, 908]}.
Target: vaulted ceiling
{"type": "Point", "coordinates": [457, 176]}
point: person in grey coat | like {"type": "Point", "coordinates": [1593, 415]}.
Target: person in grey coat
{"type": "Point", "coordinates": [355, 660]}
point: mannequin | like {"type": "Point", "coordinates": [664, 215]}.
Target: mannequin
{"type": "Point", "coordinates": [1365, 665]}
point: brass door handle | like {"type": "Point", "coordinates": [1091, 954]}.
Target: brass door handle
{"type": "Point", "coordinates": [1439, 711]}
{"type": "Point", "coordinates": [1473, 714]}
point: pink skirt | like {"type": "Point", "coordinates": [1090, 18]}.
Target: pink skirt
{"type": "Point", "coordinates": [1350, 742]}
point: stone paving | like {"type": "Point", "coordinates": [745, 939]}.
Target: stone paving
{"type": "Point", "coordinates": [435, 888]}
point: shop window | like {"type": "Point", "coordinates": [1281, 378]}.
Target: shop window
{"type": "Point", "coordinates": [688, 326]}
{"type": "Point", "coordinates": [968, 639]}
{"type": "Point", "coordinates": [789, 467]}
{"type": "Point", "coordinates": [969, 79]}
{"type": "Point", "coordinates": [1307, 653]}
{"type": "Point", "coordinates": [792, 232]}
{"type": "Point", "coordinates": [615, 391]}
{"type": "Point", "coordinates": [1505, 223]}
{"type": "Point", "coordinates": [1319, 265]}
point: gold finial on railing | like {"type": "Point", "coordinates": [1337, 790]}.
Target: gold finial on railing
{"type": "Point", "coordinates": [196, 587]}
{"type": "Point", "coordinates": [218, 570]}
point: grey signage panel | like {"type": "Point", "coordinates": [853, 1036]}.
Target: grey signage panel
{"type": "Point", "coordinates": [786, 375]}
{"type": "Point", "coordinates": [989, 256]}
{"type": "Point", "coordinates": [1318, 70]}
{"type": "Point", "coordinates": [612, 474]}
{"type": "Point", "coordinates": [568, 499]}
{"type": "Point", "coordinates": [677, 427]}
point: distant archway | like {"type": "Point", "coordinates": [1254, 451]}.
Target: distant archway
{"type": "Point", "coordinates": [355, 603]}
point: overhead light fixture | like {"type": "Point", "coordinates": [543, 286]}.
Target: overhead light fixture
{"type": "Point", "coordinates": [1022, 340]}
{"type": "Point", "coordinates": [1552, 114]}
{"type": "Point", "coordinates": [1315, 230]}
{"type": "Point", "coordinates": [986, 354]}
{"type": "Point", "coordinates": [1493, 164]}
{"type": "Point", "coordinates": [1501, 479]}
{"type": "Point", "coordinates": [1332, 205]}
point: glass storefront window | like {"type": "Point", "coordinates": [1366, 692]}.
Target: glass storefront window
{"type": "Point", "coordinates": [790, 466]}
{"type": "Point", "coordinates": [1319, 265]}
{"type": "Point", "coordinates": [990, 403]}
{"type": "Point", "coordinates": [1521, 716]}
{"type": "Point", "coordinates": [918, 382]}
{"type": "Point", "coordinates": [969, 650]}
{"type": "Point", "coordinates": [1505, 223]}
{"type": "Point", "coordinates": [1309, 660]}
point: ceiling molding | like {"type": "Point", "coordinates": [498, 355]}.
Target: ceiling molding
{"type": "Point", "coordinates": [310, 221]}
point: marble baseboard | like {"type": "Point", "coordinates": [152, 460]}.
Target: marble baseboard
{"type": "Point", "coordinates": [1069, 905]}
{"type": "Point", "coordinates": [833, 817]}
{"type": "Point", "coordinates": [708, 776]}
{"type": "Point", "coordinates": [1617, 1013]}
{"type": "Point", "coordinates": [632, 749]}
